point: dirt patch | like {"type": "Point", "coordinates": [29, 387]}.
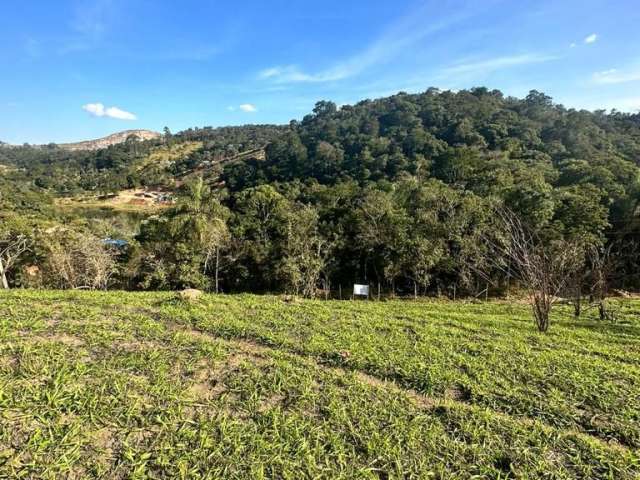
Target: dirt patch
{"type": "Point", "coordinates": [57, 338]}
{"type": "Point", "coordinates": [103, 440]}
{"type": "Point", "coordinates": [271, 402]}
{"type": "Point", "coordinates": [137, 345]}
{"type": "Point", "coordinates": [200, 391]}
{"type": "Point", "coordinates": [209, 382]}
{"type": "Point", "coordinates": [421, 400]}
{"type": "Point", "coordinates": [459, 393]}
{"type": "Point", "coordinates": [245, 346]}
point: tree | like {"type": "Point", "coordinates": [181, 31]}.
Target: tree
{"type": "Point", "coordinates": [544, 270]}
{"type": "Point", "coordinates": [304, 252]}
{"type": "Point", "coordinates": [381, 233]}
{"type": "Point", "coordinates": [179, 244]}
{"type": "Point", "coordinates": [12, 246]}
{"type": "Point", "coordinates": [216, 236]}
{"type": "Point", "coordinates": [76, 259]}
{"type": "Point", "coordinates": [261, 223]}
{"type": "Point", "coordinates": [602, 265]}
{"type": "Point", "coordinates": [15, 242]}
{"type": "Point", "coordinates": [167, 137]}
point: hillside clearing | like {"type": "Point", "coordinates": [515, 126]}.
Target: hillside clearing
{"type": "Point", "coordinates": [166, 154]}
{"type": "Point", "coordinates": [139, 385]}
{"type": "Point", "coordinates": [124, 200]}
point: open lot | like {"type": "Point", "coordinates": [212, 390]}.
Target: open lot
{"type": "Point", "coordinates": [139, 385]}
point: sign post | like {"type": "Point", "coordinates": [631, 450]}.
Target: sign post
{"type": "Point", "coordinates": [360, 290]}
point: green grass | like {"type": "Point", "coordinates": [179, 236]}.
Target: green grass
{"type": "Point", "coordinates": [138, 385]}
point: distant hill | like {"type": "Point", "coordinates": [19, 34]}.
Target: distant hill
{"type": "Point", "coordinates": [113, 139]}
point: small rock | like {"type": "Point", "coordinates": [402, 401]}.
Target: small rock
{"type": "Point", "coordinates": [190, 294]}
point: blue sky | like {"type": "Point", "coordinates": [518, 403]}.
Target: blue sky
{"type": "Point", "coordinates": [72, 70]}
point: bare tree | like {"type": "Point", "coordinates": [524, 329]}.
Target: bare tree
{"type": "Point", "coordinates": [544, 270]}
{"type": "Point", "coordinates": [602, 265]}
{"type": "Point", "coordinates": [11, 248]}
{"type": "Point", "coordinates": [77, 260]}
{"type": "Point", "coordinates": [215, 236]}
{"type": "Point", "coordinates": [576, 283]}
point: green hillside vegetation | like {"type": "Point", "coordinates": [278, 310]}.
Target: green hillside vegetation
{"type": "Point", "coordinates": [401, 193]}
{"type": "Point", "coordinates": [140, 385]}
{"type": "Point", "coordinates": [164, 156]}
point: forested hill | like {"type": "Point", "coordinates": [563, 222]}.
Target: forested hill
{"type": "Point", "coordinates": [577, 170]}
{"type": "Point", "coordinates": [528, 151]}
{"type": "Point", "coordinates": [393, 189]}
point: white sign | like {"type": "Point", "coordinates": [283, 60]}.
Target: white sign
{"type": "Point", "coordinates": [361, 290]}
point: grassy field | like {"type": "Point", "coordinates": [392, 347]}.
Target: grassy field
{"type": "Point", "coordinates": [139, 385]}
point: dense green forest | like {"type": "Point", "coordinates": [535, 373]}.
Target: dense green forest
{"type": "Point", "coordinates": [398, 192]}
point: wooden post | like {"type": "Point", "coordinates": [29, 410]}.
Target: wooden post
{"type": "Point", "coordinates": [340, 291]}
{"type": "Point", "coordinates": [378, 291]}
{"type": "Point", "coordinates": [454, 292]}
{"type": "Point", "coordinates": [217, 267]}
{"type": "Point", "coordinates": [415, 290]}
{"type": "Point", "coordinates": [486, 293]}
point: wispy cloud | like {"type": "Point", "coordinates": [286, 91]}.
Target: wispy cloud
{"type": "Point", "coordinates": [614, 76]}
{"type": "Point", "coordinates": [99, 110]}
{"type": "Point", "coordinates": [90, 22]}
{"type": "Point", "coordinates": [91, 18]}
{"type": "Point", "coordinates": [492, 64]}
{"type": "Point", "coordinates": [248, 108]}
{"type": "Point", "coordinates": [404, 33]}
{"type": "Point", "coordinates": [194, 53]}
{"type": "Point", "coordinates": [32, 47]}
{"type": "Point", "coordinates": [591, 38]}
{"type": "Point", "coordinates": [293, 74]}
{"type": "Point", "coordinates": [622, 104]}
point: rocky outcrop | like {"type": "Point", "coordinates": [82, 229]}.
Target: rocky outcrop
{"type": "Point", "coordinates": [113, 139]}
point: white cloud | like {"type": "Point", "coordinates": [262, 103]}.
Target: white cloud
{"type": "Point", "coordinates": [613, 76]}
{"type": "Point", "coordinates": [402, 35]}
{"type": "Point", "coordinates": [498, 63]}
{"type": "Point", "coordinates": [572, 45]}
{"type": "Point", "coordinates": [591, 38]}
{"type": "Point", "coordinates": [248, 107]}
{"type": "Point", "coordinates": [99, 110]}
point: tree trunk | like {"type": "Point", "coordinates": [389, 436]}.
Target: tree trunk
{"type": "Point", "coordinates": [5, 284]}
{"type": "Point", "coordinates": [577, 307]}
{"type": "Point", "coordinates": [217, 267]}
{"type": "Point", "coordinates": [602, 309]}
{"type": "Point", "coordinates": [415, 290]}
{"type": "Point", "coordinates": [541, 311]}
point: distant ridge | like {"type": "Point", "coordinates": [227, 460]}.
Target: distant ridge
{"type": "Point", "coordinates": [113, 139]}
